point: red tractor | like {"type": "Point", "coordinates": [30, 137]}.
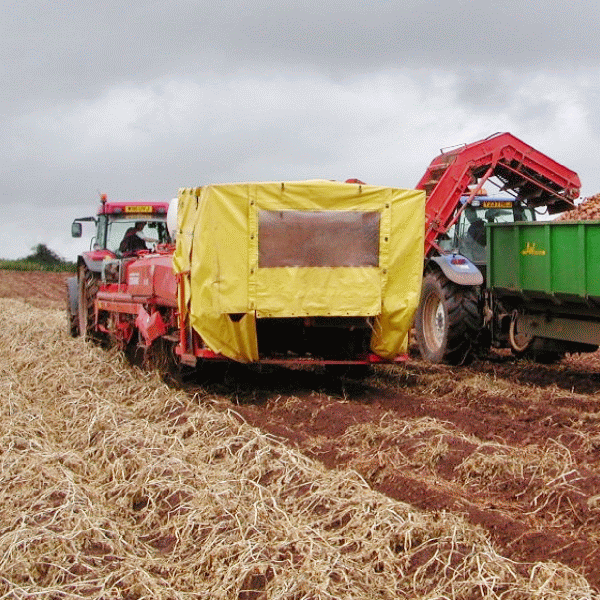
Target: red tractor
{"type": "Point", "coordinates": [123, 230]}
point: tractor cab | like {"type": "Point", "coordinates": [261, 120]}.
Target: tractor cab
{"type": "Point", "coordinates": [115, 219]}
{"type": "Point", "coordinates": [467, 236]}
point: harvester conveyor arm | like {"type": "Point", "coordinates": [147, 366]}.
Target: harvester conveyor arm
{"type": "Point", "coordinates": [533, 177]}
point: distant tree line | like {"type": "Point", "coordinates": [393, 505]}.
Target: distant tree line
{"type": "Point", "coordinates": [43, 255]}
{"type": "Point", "coordinates": [42, 258]}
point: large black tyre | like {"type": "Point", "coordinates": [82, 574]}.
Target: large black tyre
{"type": "Point", "coordinates": [448, 321]}
{"type": "Point", "coordinates": [88, 282]}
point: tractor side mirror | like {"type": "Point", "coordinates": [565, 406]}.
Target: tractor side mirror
{"type": "Point", "coordinates": [76, 229]}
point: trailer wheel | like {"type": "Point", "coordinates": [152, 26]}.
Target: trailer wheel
{"type": "Point", "coordinates": [541, 351]}
{"type": "Point", "coordinates": [519, 340]}
{"type": "Point", "coordinates": [88, 287]}
{"type": "Point", "coordinates": [448, 320]}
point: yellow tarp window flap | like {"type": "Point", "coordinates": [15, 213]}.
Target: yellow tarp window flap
{"type": "Point", "coordinates": [299, 249]}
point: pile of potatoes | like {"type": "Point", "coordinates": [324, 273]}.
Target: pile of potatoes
{"type": "Point", "coordinates": [589, 209]}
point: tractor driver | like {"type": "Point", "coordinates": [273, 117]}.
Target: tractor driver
{"type": "Point", "coordinates": [477, 231]}
{"type": "Point", "coordinates": [133, 240]}
{"type": "Point", "coordinates": [472, 245]}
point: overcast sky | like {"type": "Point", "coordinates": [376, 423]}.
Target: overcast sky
{"type": "Point", "coordinates": [137, 99]}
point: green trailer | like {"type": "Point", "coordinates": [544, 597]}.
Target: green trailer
{"type": "Point", "coordinates": [543, 280]}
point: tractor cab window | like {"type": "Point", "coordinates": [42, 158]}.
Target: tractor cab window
{"type": "Point", "coordinates": [154, 230]}
{"type": "Point", "coordinates": [468, 236]}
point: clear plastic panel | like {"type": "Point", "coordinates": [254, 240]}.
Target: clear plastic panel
{"type": "Point", "coordinates": [155, 229]}
{"type": "Point", "coordinates": [298, 238]}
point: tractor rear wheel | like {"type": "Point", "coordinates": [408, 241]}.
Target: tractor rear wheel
{"type": "Point", "coordinates": [72, 312]}
{"type": "Point", "coordinates": [72, 322]}
{"type": "Point", "coordinates": [448, 320]}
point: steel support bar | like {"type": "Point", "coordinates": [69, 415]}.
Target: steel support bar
{"type": "Point", "coordinates": [568, 330]}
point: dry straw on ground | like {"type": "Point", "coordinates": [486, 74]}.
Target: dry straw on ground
{"type": "Point", "coordinates": [115, 486]}
{"type": "Point", "coordinates": [543, 476]}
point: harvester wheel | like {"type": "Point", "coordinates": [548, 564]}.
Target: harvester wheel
{"type": "Point", "coordinates": [448, 320]}
{"type": "Point", "coordinates": [88, 287]}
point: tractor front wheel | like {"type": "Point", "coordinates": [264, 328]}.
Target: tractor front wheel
{"type": "Point", "coordinates": [72, 293]}
{"type": "Point", "coordinates": [88, 282]}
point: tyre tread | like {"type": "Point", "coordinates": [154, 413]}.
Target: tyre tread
{"type": "Point", "coordinates": [463, 320]}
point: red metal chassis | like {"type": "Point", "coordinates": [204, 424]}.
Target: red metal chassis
{"type": "Point", "coordinates": [156, 313]}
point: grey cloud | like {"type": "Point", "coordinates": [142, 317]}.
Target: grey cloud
{"type": "Point", "coordinates": [484, 90]}
{"type": "Point", "coordinates": [62, 50]}
{"type": "Point", "coordinates": [593, 114]}
{"type": "Point", "coordinates": [137, 99]}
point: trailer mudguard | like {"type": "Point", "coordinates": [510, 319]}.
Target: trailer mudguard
{"type": "Point", "coordinates": [458, 269]}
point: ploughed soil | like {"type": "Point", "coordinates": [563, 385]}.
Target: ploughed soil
{"type": "Point", "coordinates": [511, 445]}
{"type": "Point", "coordinates": [41, 289]}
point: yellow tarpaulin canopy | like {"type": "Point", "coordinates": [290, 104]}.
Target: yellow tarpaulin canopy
{"type": "Point", "coordinates": [317, 248]}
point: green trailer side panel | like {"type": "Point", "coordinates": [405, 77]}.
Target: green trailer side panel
{"type": "Point", "coordinates": [567, 259]}
{"type": "Point", "coordinates": [534, 258]}
{"type": "Point", "coordinates": [592, 263]}
{"type": "Point", "coordinates": [503, 257]}
{"type": "Point", "coordinates": [553, 259]}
